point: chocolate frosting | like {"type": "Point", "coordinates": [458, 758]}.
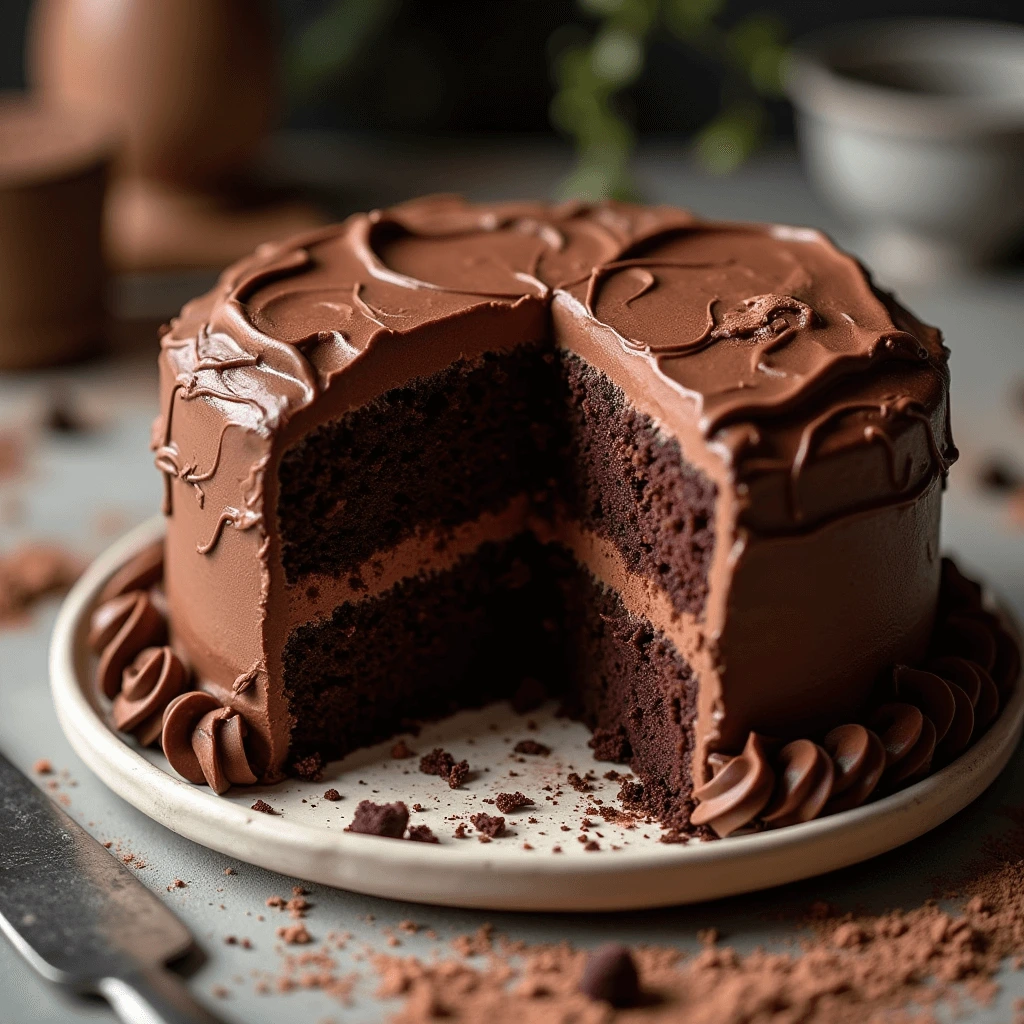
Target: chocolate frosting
{"type": "Point", "coordinates": [119, 629]}
{"type": "Point", "coordinates": [815, 404]}
{"type": "Point", "coordinates": [739, 791]}
{"type": "Point", "coordinates": [149, 684]}
{"type": "Point", "coordinates": [776, 344]}
{"type": "Point", "coordinates": [927, 718]}
{"type": "Point", "coordinates": [859, 758]}
{"type": "Point", "coordinates": [805, 781]}
{"type": "Point", "coordinates": [205, 742]}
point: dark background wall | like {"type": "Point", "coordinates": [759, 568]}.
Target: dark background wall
{"type": "Point", "coordinates": [482, 65]}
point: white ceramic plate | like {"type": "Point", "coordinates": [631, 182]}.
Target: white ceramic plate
{"type": "Point", "coordinates": [516, 872]}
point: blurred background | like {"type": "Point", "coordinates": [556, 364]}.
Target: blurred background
{"type": "Point", "coordinates": [146, 144]}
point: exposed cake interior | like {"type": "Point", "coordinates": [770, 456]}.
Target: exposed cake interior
{"type": "Point", "coordinates": [510, 520]}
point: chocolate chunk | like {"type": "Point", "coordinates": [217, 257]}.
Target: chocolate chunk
{"type": "Point", "coordinates": [508, 802]}
{"type": "Point", "coordinates": [490, 825]}
{"type": "Point", "coordinates": [422, 834]}
{"type": "Point", "coordinates": [532, 747]}
{"type": "Point", "coordinates": [380, 819]}
{"type": "Point", "coordinates": [610, 975]}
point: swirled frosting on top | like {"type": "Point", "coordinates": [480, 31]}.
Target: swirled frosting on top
{"type": "Point", "coordinates": [774, 344]}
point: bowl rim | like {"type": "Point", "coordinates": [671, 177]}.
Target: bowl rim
{"type": "Point", "coordinates": [816, 86]}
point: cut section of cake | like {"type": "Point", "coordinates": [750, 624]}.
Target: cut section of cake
{"type": "Point", "coordinates": [685, 476]}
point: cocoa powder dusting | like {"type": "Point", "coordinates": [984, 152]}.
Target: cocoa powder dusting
{"type": "Point", "coordinates": [901, 966]}
{"type": "Point", "coordinates": [31, 572]}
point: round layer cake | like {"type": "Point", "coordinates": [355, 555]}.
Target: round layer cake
{"type": "Point", "coordinates": [684, 476]}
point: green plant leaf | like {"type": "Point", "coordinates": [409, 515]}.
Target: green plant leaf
{"type": "Point", "coordinates": [726, 141]}
{"type": "Point", "coordinates": [688, 18]}
{"type": "Point", "coordinates": [331, 41]}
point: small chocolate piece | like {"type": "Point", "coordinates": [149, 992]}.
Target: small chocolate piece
{"type": "Point", "coordinates": [422, 834]}
{"type": "Point", "coordinates": [532, 747]}
{"type": "Point", "coordinates": [62, 416]}
{"type": "Point", "coordinates": [387, 820]}
{"type": "Point", "coordinates": [490, 825]}
{"type": "Point", "coordinates": [263, 807]}
{"type": "Point", "coordinates": [332, 794]}
{"type": "Point", "coordinates": [402, 750]}
{"type": "Point", "coordinates": [610, 975]}
{"type": "Point", "coordinates": [509, 802]}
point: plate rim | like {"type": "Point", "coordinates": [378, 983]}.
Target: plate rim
{"type": "Point", "coordinates": [488, 877]}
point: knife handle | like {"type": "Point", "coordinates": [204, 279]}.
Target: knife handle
{"type": "Point", "coordinates": [154, 995]}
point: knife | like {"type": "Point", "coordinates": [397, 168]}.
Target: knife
{"type": "Point", "coordinates": [81, 918]}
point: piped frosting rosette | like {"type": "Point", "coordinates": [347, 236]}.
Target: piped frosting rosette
{"type": "Point", "coordinates": [150, 688]}
{"type": "Point", "coordinates": [924, 718]}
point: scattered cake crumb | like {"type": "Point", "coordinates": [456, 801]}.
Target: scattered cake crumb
{"type": "Point", "coordinates": [387, 820]}
{"type": "Point", "coordinates": [422, 834]}
{"type": "Point", "coordinates": [294, 934]}
{"type": "Point", "coordinates": [43, 766]}
{"type": "Point", "coordinates": [332, 794]}
{"type": "Point", "coordinates": [310, 768]}
{"type": "Point", "coordinates": [532, 747]}
{"type": "Point", "coordinates": [508, 802]}
{"type": "Point", "coordinates": [263, 807]}
{"type": "Point", "coordinates": [401, 750]}
{"type": "Point", "coordinates": [492, 826]}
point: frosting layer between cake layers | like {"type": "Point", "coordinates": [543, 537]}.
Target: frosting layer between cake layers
{"type": "Point", "coordinates": [763, 404]}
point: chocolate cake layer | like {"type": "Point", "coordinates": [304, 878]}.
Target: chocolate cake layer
{"type": "Point", "coordinates": [428, 646]}
{"type": "Point", "coordinates": [630, 684]}
{"type": "Point", "coordinates": [621, 477]}
{"type": "Point", "coordinates": [435, 452]}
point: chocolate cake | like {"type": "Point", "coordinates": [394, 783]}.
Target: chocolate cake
{"type": "Point", "coordinates": [684, 476]}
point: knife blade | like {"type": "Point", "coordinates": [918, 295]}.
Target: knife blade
{"type": "Point", "coordinates": [81, 918]}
